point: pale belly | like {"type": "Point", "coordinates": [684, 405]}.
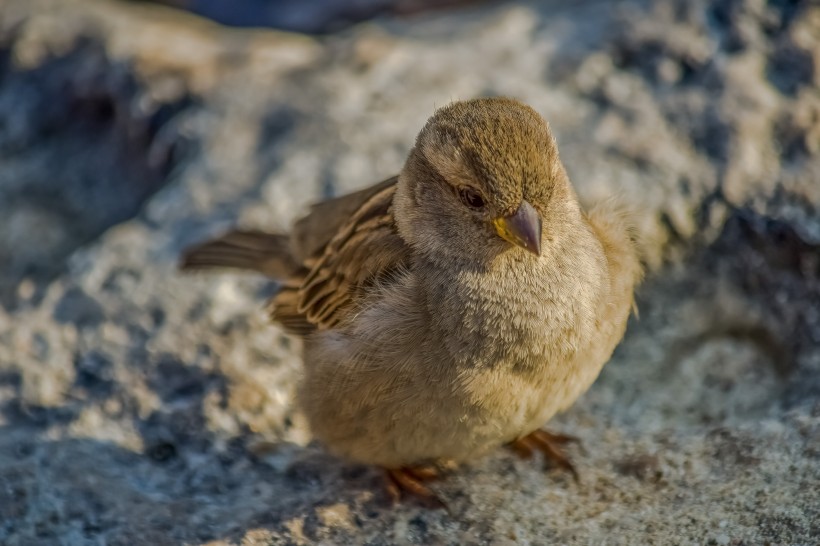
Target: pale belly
{"type": "Point", "coordinates": [395, 416]}
{"type": "Point", "coordinates": [398, 392]}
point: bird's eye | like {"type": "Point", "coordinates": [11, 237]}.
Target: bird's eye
{"type": "Point", "coordinates": [471, 198]}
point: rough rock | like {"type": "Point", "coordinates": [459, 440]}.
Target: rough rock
{"type": "Point", "coordinates": [141, 406]}
{"type": "Point", "coordinates": [315, 16]}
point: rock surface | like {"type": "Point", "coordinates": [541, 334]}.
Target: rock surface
{"type": "Point", "coordinates": [140, 406]}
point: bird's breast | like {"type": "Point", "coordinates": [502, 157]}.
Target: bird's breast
{"type": "Point", "coordinates": [518, 316]}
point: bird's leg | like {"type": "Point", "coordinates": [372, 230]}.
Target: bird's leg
{"type": "Point", "coordinates": [410, 480]}
{"type": "Point", "coordinates": [549, 444]}
{"type": "Point", "coordinates": [424, 473]}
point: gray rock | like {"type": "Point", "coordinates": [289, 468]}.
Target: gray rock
{"type": "Point", "coordinates": [140, 406]}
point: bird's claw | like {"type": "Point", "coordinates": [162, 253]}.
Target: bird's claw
{"type": "Point", "coordinates": [550, 445]}
{"type": "Point", "coordinates": [410, 480]}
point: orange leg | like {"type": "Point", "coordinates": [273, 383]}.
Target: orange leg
{"type": "Point", "coordinates": [549, 444]}
{"type": "Point", "coordinates": [410, 480]}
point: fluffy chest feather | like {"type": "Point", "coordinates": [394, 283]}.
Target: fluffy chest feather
{"type": "Point", "coordinates": [523, 313]}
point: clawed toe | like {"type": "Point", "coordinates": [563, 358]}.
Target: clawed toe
{"type": "Point", "coordinates": [410, 480]}
{"type": "Point", "coordinates": [550, 445]}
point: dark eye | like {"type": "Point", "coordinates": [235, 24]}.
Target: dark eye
{"type": "Point", "coordinates": [471, 198]}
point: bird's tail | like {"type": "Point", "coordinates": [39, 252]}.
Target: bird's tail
{"type": "Point", "coordinates": [267, 253]}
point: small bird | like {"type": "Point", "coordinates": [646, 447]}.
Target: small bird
{"type": "Point", "coordinates": [454, 308]}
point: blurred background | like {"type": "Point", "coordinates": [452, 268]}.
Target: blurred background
{"type": "Point", "coordinates": [141, 406]}
{"type": "Point", "coordinates": [314, 17]}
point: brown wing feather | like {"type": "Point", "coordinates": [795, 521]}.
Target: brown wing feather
{"type": "Point", "coordinates": [365, 248]}
{"type": "Point", "coordinates": [331, 255]}
{"type": "Point", "coordinates": [312, 233]}
{"type": "Point", "coordinates": [284, 309]}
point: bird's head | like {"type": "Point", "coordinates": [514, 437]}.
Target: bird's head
{"type": "Point", "coordinates": [483, 178]}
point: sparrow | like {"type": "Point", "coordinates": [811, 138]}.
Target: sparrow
{"type": "Point", "coordinates": [451, 309]}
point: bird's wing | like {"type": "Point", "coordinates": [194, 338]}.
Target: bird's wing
{"type": "Point", "coordinates": [312, 232]}
{"type": "Point", "coordinates": [363, 249]}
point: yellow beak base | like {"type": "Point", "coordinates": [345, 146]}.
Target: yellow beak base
{"type": "Point", "coordinates": [523, 228]}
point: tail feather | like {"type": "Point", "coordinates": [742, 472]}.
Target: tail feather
{"type": "Point", "coordinates": [267, 253]}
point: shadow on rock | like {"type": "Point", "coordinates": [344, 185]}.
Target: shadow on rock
{"type": "Point", "coordinates": [83, 145]}
{"type": "Point", "coordinates": [104, 492]}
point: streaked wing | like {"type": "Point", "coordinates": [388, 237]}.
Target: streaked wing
{"type": "Point", "coordinates": [312, 232]}
{"type": "Point", "coordinates": [364, 249]}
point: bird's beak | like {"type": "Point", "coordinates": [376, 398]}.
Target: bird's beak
{"type": "Point", "coordinates": [523, 228]}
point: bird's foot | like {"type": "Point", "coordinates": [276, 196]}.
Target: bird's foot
{"type": "Point", "coordinates": [551, 445]}
{"type": "Point", "coordinates": [410, 481]}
